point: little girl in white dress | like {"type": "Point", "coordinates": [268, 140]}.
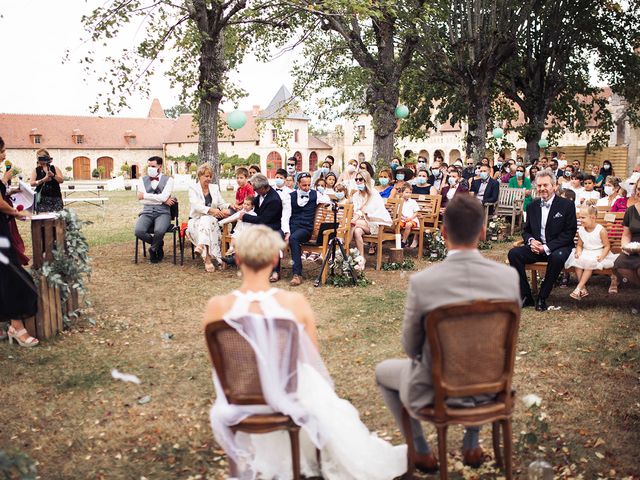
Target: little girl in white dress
{"type": "Point", "coordinates": [593, 251]}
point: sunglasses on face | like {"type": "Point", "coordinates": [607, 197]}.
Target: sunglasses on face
{"type": "Point", "coordinates": [359, 179]}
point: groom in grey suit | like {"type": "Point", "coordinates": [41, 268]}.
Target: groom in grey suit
{"type": "Point", "coordinates": [464, 276]}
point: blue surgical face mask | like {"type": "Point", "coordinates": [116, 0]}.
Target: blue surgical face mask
{"type": "Point", "coordinates": [360, 186]}
{"type": "Point", "coordinates": [519, 174]}
{"type": "Point", "coordinates": [400, 176]}
{"type": "Point", "coordinates": [324, 170]}
{"type": "Point", "coordinates": [339, 195]}
{"type": "Point", "coordinates": [436, 173]}
{"type": "Point", "coordinates": [279, 182]}
{"type": "Point", "coordinates": [484, 175]}
{"type": "Point", "coordinates": [421, 180]}
{"type": "Point", "coordinates": [383, 181]}
{"type": "Point", "coordinates": [320, 189]}
{"type": "Point", "coordinates": [394, 166]}
{"type": "Point", "coordinates": [452, 181]}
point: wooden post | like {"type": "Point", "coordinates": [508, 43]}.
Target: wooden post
{"type": "Point", "coordinates": [396, 255]}
{"type": "Point", "coordinates": [47, 235]}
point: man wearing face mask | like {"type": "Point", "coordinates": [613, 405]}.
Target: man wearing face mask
{"type": "Point", "coordinates": [285, 195]}
{"type": "Point", "coordinates": [486, 189]}
{"type": "Point", "coordinates": [422, 164]}
{"type": "Point", "coordinates": [154, 192]}
{"type": "Point", "coordinates": [436, 179]}
{"type": "Point", "coordinates": [303, 209]}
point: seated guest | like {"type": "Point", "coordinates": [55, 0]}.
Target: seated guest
{"type": "Point", "coordinates": [520, 181]}
{"type": "Point", "coordinates": [593, 252]}
{"type": "Point", "coordinates": [385, 186]}
{"type": "Point", "coordinates": [456, 185]}
{"type": "Point", "coordinates": [402, 177]}
{"type": "Point", "coordinates": [342, 194]}
{"type": "Point", "coordinates": [207, 207]}
{"type": "Point", "coordinates": [322, 172]}
{"type": "Point", "coordinates": [611, 190]}
{"type": "Point", "coordinates": [303, 210]}
{"type": "Point", "coordinates": [240, 226]}
{"type": "Point", "coordinates": [331, 180]}
{"type": "Point", "coordinates": [368, 167]}
{"type": "Point", "coordinates": [588, 193]}
{"type": "Point", "coordinates": [347, 449]}
{"type": "Point", "coordinates": [369, 211]}
{"type": "Point", "coordinates": [267, 207]}
{"type": "Point", "coordinates": [253, 170]}
{"type": "Point", "coordinates": [628, 266]}
{"type": "Point", "coordinates": [289, 181]}
{"type": "Point", "coordinates": [347, 177]}
{"type": "Point", "coordinates": [154, 193]}
{"type": "Point", "coordinates": [320, 185]}
{"type": "Point", "coordinates": [409, 218]}
{"type": "Point", "coordinates": [548, 235]}
{"type": "Point", "coordinates": [469, 170]}
{"type": "Point", "coordinates": [422, 186]}
{"type": "Point", "coordinates": [422, 164]}
{"type": "Point", "coordinates": [437, 179]}
{"type": "Point", "coordinates": [244, 187]}
{"type": "Point", "coordinates": [486, 189]}
{"type": "Point", "coordinates": [464, 276]}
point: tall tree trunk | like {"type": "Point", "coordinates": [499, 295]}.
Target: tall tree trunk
{"type": "Point", "coordinates": [478, 118]}
{"type": "Point", "coordinates": [532, 137]}
{"type": "Point", "coordinates": [210, 89]}
{"type": "Point", "coordinates": [382, 99]}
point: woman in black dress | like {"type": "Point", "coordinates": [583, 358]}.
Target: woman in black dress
{"type": "Point", "coordinates": [628, 266]}
{"type": "Point", "coordinates": [47, 179]}
{"type": "Point", "coordinates": [18, 297]}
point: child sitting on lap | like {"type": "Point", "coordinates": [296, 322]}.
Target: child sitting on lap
{"type": "Point", "coordinates": [593, 252]}
{"type": "Point", "coordinates": [241, 226]}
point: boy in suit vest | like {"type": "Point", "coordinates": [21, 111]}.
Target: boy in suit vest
{"type": "Point", "coordinates": [154, 192]}
{"type": "Point", "coordinates": [303, 210]}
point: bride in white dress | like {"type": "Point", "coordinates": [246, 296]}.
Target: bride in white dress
{"type": "Point", "coordinates": [348, 450]}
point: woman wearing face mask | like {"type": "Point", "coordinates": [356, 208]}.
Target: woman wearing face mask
{"type": "Point", "coordinates": [422, 164]}
{"type": "Point", "coordinates": [385, 186]}
{"type": "Point", "coordinates": [521, 181]}
{"type": "Point", "coordinates": [342, 194]}
{"type": "Point", "coordinates": [322, 172]}
{"type": "Point", "coordinates": [395, 163]}
{"type": "Point", "coordinates": [437, 180]}
{"type": "Point", "coordinates": [320, 185]}
{"type": "Point", "coordinates": [605, 171]}
{"type": "Point", "coordinates": [401, 175]}
{"type": "Point", "coordinates": [611, 189]}
{"type": "Point", "coordinates": [369, 211]}
{"type": "Point", "coordinates": [421, 186]}
{"type": "Point", "coordinates": [348, 176]}
{"type": "Point", "coordinates": [504, 175]}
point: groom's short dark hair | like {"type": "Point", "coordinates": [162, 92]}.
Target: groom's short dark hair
{"type": "Point", "coordinates": [463, 219]}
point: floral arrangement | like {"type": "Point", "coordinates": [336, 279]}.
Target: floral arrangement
{"type": "Point", "coordinates": [18, 465]}
{"type": "Point", "coordinates": [537, 426]}
{"type": "Point", "coordinates": [497, 230]}
{"type": "Point", "coordinates": [406, 264]}
{"type": "Point", "coordinates": [436, 247]}
{"type": "Point", "coordinates": [69, 269]}
{"type": "Point", "coordinates": [341, 266]}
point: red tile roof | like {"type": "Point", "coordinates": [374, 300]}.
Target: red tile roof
{"type": "Point", "coordinates": [98, 132]}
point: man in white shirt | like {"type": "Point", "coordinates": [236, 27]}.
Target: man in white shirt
{"type": "Point", "coordinates": [154, 193]}
{"type": "Point", "coordinates": [285, 195]}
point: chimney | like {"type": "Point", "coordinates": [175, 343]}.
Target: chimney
{"type": "Point", "coordinates": [256, 110]}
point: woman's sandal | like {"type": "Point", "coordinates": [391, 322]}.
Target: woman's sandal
{"type": "Point", "coordinates": [209, 267]}
{"type": "Point", "coordinates": [584, 293]}
{"type": "Point", "coordinates": [613, 289]}
{"type": "Point", "coordinates": [16, 334]}
{"type": "Point", "coordinates": [576, 294]}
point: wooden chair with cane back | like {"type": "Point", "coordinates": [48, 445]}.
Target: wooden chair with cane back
{"type": "Point", "coordinates": [429, 216]}
{"type": "Point", "coordinates": [510, 204]}
{"type": "Point", "coordinates": [236, 368]}
{"type": "Point", "coordinates": [473, 348]}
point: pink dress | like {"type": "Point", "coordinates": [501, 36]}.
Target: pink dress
{"type": "Point", "coordinates": [620, 205]}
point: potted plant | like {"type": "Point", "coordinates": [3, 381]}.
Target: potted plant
{"type": "Point", "coordinates": [95, 173]}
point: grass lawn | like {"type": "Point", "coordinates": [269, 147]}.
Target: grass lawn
{"type": "Point", "coordinates": [61, 407]}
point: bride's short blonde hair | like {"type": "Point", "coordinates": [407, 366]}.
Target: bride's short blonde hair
{"type": "Point", "coordinates": [258, 246]}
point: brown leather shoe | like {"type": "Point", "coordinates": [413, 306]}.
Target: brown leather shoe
{"type": "Point", "coordinates": [295, 281]}
{"type": "Point", "coordinates": [426, 462]}
{"type": "Point", "coordinates": [474, 457]}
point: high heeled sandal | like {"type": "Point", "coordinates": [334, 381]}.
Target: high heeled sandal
{"type": "Point", "coordinates": [14, 334]}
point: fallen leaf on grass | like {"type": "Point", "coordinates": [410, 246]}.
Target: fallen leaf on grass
{"type": "Point", "coordinates": [145, 399]}
{"type": "Point", "coordinates": [599, 455]}
{"type": "Point", "coordinates": [599, 442]}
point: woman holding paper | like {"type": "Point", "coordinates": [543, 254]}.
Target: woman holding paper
{"type": "Point", "coordinates": [18, 298]}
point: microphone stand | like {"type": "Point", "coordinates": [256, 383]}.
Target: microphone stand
{"type": "Point", "coordinates": [331, 251]}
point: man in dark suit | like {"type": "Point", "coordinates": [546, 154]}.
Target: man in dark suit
{"type": "Point", "coordinates": [548, 235]}
{"type": "Point", "coordinates": [486, 189]}
{"type": "Point", "coordinates": [268, 210]}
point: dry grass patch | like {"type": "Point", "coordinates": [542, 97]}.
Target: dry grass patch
{"type": "Point", "coordinates": [80, 424]}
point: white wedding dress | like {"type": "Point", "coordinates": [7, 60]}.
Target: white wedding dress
{"type": "Point", "coordinates": [348, 450]}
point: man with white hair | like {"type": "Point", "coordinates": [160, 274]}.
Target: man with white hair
{"type": "Point", "coordinates": [548, 234]}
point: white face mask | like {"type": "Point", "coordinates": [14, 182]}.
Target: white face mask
{"type": "Point", "coordinates": [152, 171]}
{"type": "Point", "coordinates": [608, 189]}
{"type": "Point", "coordinates": [291, 168]}
{"type": "Point", "coordinates": [351, 168]}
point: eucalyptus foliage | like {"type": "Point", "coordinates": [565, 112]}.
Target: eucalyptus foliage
{"type": "Point", "coordinates": [15, 465]}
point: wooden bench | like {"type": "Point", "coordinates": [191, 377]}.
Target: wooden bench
{"type": "Point", "coordinates": [428, 216]}
{"type": "Point", "coordinates": [387, 232]}
{"type": "Point", "coordinates": [510, 203]}
{"type": "Point", "coordinates": [612, 222]}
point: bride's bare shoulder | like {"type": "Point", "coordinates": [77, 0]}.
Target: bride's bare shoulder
{"type": "Point", "coordinates": [216, 308]}
{"type": "Point", "coordinates": [291, 300]}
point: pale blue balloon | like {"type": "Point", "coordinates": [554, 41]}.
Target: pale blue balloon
{"type": "Point", "coordinates": [498, 132]}
{"type": "Point", "coordinates": [236, 119]}
{"type": "Point", "coordinates": [543, 143]}
{"type": "Point", "coordinates": [402, 111]}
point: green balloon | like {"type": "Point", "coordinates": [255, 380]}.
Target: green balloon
{"type": "Point", "coordinates": [543, 143]}
{"type": "Point", "coordinates": [402, 111]}
{"type": "Point", "coordinates": [498, 132]}
{"type": "Point", "coordinates": [236, 119]}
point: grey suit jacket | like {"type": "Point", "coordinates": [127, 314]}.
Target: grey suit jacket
{"type": "Point", "coordinates": [464, 276]}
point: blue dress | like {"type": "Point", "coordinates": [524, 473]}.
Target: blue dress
{"type": "Point", "coordinates": [386, 192]}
